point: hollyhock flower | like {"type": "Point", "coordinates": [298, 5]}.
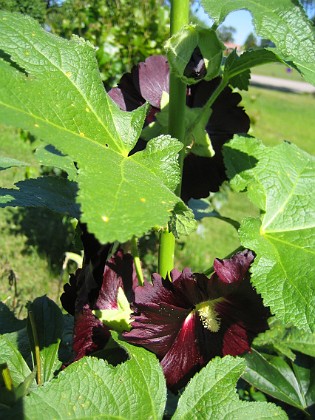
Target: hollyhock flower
{"type": "Point", "coordinates": [88, 293]}
{"type": "Point", "coordinates": [194, 318]}
{"type": "Point", "coordinates": [148, 81]}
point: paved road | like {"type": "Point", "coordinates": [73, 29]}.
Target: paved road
{"type": "Point", "coordinates": [281, 84]}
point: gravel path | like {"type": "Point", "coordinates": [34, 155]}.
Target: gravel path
{"type": "Point", "coordinates": [281, 84]}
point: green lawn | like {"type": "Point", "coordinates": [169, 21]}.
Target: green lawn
{"type": "Point", "coordinates": [277, 70]}
{"type": "Point", "coordinates": [33, 242]}
{"type": "Point", "coordinates": [277, 116]}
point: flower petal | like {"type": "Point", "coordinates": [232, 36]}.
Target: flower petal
{"type": "Point", "coordinates": [184, 358]}
{"type": "Point", "coordinates": [235, 268]}
{"type": "Point", "coordinates": [119, 272]}
{"type": "Point", "coordinates": [89, 333]}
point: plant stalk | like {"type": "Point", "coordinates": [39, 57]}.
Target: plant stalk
{"type": "Point", "coordinates": [176, 128]}
{"type": "Point", "coordinates": [136, 260]}
{"type": "Point", "coordinates": [36, 349]}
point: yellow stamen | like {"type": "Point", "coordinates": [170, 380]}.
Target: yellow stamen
{"type": "Point", "coordinates": [208, 315]}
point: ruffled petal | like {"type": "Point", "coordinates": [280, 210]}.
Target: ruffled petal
{"type": "Point", "coordinates": [235, 268]}
{"type": "Point", "coordinates": [89, 333]}
{"type": "Point", "coordinates": [183, 358]}
{"type": "Point", "coordinates": [119, 272]}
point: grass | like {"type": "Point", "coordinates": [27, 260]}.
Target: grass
{"type": "Point", "coordinates": [33, 241]}
{"type": "Point", "coordinates": [277, 70]}
{"type": "Point", "coordinates": [277, 116]}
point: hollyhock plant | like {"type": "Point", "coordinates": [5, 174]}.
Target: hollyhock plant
{"type": "Point", "coordinates": [148, 81]}
{"type": "Point", "coordinates": [194, 318]}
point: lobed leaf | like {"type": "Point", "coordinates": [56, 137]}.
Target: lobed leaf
{"type": "Point", "coordinates": [284, 22]}
{"type": "Point", "coordinates": [52, 88]}
{"type": "Point", "coordinates": [211, 395]}
{"type": "Point", "coordinates": [280, 181]}
{"type": "Point", "coordinates": [91, 388]}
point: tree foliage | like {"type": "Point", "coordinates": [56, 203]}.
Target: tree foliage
{"type": "Point", "coordinates": [121, 42]}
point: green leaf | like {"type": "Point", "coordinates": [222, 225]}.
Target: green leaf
{"type": "Point", "coordinates": [7, 162]}
{"type": "Point", "coordinates": [48, 321]}
{"type": "Point", "coordinates": [280, 181]}
{"type": "Point", "coordinates": [92, 388]}
{"type": "Point", "coordinates": [182, 222]}
{"type": "Point", "coordinates": [237, 68]}
{"type": "Point", "coordinates": [283, 21]}
{"type": "Point", "coordinates": [49, 156]}
{"type": "Point", "coordinates": [19, 339]}
{"type": "Point", "coordinates": [300, 341]}
{"type": "Point", "coordinates": [180, 47]}
{"type": "Point", "coordinates": [285, 339]}
{"type": "Point", "coordinates": [304, 370]}
{"type": "Point", "coordinates": [10, 354]}
{"type": "Point", "coordinates": [272, 375]}
{"type": "Point", "coordinates": [57, 194]}
{"type": "Point", "coordinates": [54, 90]}
{"type": "Point", "coordinates": [236, 64]}
{"type": "Point", "coordinates": [211, 395]}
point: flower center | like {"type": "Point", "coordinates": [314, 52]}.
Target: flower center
{"type": "Point", "coordinates": [208, 315]}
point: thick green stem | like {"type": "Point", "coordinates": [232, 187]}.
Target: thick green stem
{"type": "Point", "coordinates": [166, 253]}
{"type": "Point", "coordinates": [176, 128]}
{"type": "Point", "coordinates": [177, 102]}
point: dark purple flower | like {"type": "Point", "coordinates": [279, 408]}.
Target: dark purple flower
{"type": "Point", "coordinates": [194, 318]}
{"type": "Point", "coordinates": [88, 292]}
{"type": "Point", "coordinates": [146, 83]}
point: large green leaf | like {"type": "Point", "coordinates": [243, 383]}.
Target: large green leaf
{"type": "Point", "coordinates": [52, 87]}
{"type": "Point", "coordinates": [283, 21]}
{"type": "Point", "coordinates": [280, 181]}
{"type": "Point", "coordinates": [211, 395]}
{"type": "Point", "coordinates": [91, 388]}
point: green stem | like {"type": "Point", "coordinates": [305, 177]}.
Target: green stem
{"type": "Point", "coordinates": [177, 102]}
{"type": "Point", "coordinates": [36, 348]}
{"type": "Point", "coordinates": [176, 128]}
{"type": "Point", "coordinates": [166, 253]}
{"type": "Point", "coordinates": [136, 260]}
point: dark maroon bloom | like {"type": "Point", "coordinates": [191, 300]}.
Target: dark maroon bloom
{"type": "Point", "coordinates": [87, 292]}
{"type": "Point", "coordinates": [194, 318]}
{"type": "Point", "coordinates": [146, 83]}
